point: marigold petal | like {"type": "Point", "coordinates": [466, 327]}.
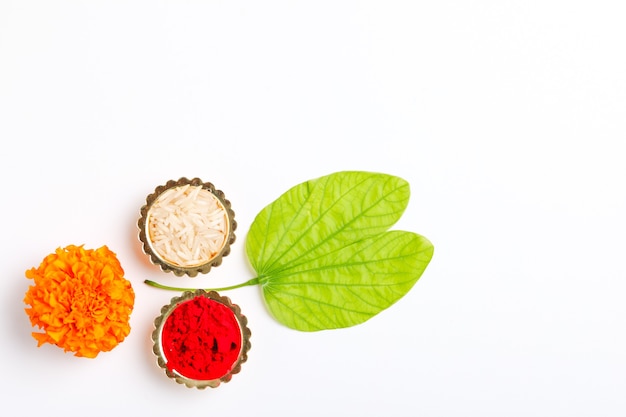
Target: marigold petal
{"type": "Point", "coordinates": [57, 333]}
{"type": "Point", "coordinates": [41, 338]}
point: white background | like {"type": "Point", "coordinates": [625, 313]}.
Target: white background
{"type": "Point", "coordinates": [507, 119]}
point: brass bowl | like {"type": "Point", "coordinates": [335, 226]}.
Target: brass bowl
{"type": "Point", "coordinates": [202, 306]}
{"type": "Point", "coordinates": [187, 227]}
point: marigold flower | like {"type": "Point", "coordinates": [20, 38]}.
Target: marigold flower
{"type": "Point", "coordinates": [81, 300]}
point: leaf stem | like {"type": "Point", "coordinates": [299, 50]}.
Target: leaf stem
{"type": "Point", "coordinates": [253, 281]}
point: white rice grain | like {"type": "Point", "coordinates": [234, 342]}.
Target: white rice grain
{"type": "Point", "coordinates": [187, 226]}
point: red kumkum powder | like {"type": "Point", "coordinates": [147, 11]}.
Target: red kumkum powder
{"type": "Point", "coordinates": [201, 339]}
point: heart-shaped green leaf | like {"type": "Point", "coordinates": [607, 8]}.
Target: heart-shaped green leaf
{"type": "Point", "coordinates": [324, 257]}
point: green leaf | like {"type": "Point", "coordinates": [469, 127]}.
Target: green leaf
{"type": "Point", "coordinates": [323, 253]}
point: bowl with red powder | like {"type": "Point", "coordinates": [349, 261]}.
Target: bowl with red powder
{"type": "Point", "coordinates": [187, 226]}
{"type": "Point", "coordinates": [201, 339]}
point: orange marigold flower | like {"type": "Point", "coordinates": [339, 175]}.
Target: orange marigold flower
{"type": "Point", "coordinates": [81, 300]}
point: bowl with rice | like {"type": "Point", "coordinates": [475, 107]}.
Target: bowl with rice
{"type": "Point", "coordinates": [187, 226]}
